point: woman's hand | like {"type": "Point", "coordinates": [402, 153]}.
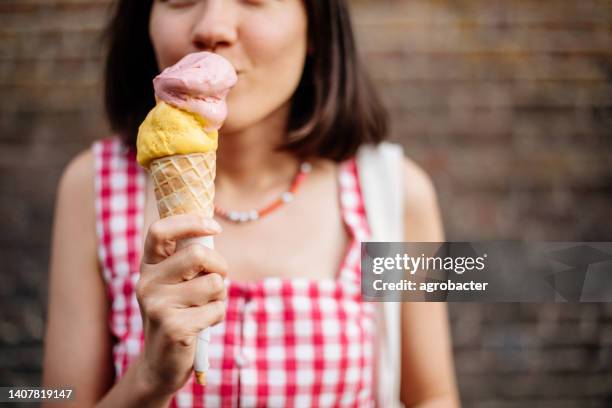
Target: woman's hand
{"type": "Point", "coordinates": [179, 294]}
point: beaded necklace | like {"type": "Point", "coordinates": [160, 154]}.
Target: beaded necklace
{"type": "Point", "coordinates": [240, 217]}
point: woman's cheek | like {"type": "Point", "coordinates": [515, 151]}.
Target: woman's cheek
{"type": "Point", "coordinates": [281, 41]}
{"type": "Point", "coordinates": [265, 87]}
{"type": "Point", "coordinates": [277, 53]}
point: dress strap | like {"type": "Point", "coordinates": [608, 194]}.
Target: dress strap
{"type": "Point", "coordinates": [353, 214]}
{"type": "Point", "coordinates": [119, 188]}
{"type": "Point", "coordinates": [119, 201]}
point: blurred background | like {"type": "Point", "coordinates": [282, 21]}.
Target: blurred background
{"type": "Point", "coordinates": [507, 105]}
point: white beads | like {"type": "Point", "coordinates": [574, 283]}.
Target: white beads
{"type": "Point", "coordinates": [287, 196]}
{"type": "Point", "coordinates": [243, 216]}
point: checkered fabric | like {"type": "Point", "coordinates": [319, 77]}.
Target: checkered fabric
{"type": "Point", "coordinates": [284, 342]}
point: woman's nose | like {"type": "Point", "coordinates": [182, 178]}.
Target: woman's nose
{"type": "Point", "coordinates": [215, 25]}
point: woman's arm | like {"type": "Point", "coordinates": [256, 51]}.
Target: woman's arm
{"type": "Point", "coordinates": [78, 347]}
{"type": "Point", "coordinates": [428, 378]}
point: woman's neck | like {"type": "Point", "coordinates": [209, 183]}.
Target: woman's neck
{"type": "Point", "coordinates": [248, 165]}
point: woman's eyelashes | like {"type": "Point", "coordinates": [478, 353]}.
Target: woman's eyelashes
{"type": "Point", "coordinates": [179, 3]}
{"type": "Point", "coordinates": [182, 3]}
{"type": "Point", "coordinates": [255, 2]}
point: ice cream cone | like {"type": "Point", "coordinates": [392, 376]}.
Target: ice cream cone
{"type": "Point", "coordinates": [177, 143]}
{"type": "Point", "coordinates": [184, 183]}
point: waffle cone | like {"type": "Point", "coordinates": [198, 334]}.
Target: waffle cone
{"type": "Point", "coordinates": [184, 183]}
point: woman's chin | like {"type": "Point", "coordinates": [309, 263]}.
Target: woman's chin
{"type": "Point", "coordinates": [241, 118]}
{"type": "Point", "coordinates": [231, 127]}
{"type": "Point", "coordinates": [238, 121]}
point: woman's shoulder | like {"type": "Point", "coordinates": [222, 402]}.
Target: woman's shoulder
{"type": "Point", "coordinates": [81, 167]}
{"type": "Point", "coordinates": [74, 226]}
{"type": "Point", "coordinates": [417, 183]}
{"type": "Point", "coordinates": [78, 175]}
{"type": "Point", "coordinates": [76, 189]}
{"type": "Point", "coordinates": [421, 207]}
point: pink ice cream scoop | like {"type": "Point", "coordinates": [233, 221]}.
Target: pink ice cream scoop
{"type": "Point", "coordinates": [198, 83]}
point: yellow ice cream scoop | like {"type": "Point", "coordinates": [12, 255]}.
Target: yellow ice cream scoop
{"type": "Point", "coordinates": [168, 131]}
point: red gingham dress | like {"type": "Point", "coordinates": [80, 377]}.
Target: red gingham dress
{"type": "Point", "coordinates": [284, 342]}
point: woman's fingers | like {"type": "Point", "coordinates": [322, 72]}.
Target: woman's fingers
{"type": "Point", "coordinates": [197, 292]}
{"type": "Point", "coordinates": [180, 326]}
{"type": "Point", "coordinates": [195, 319]}
{"type": "Point", "coordinates": [186, 264]}
{"type": "Point", "coordinates": [163, 234]}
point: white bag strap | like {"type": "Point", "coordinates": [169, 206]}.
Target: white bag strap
{"type": "Point", "coordinates": [380, 176]}
{"type": "Point", "coordinates": [380, 171]}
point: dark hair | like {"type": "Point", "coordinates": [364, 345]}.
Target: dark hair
{"type": "Point", "coordinates": [334, 109]}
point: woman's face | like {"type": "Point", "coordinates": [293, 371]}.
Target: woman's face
{"type": "Point", "coordinates": [265, 40]}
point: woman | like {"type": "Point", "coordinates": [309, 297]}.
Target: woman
{"type": "Point", "coordinates": [122, 296]}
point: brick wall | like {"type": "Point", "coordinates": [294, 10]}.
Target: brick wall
{"type": "Point", "coordinates": [507, 104]}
